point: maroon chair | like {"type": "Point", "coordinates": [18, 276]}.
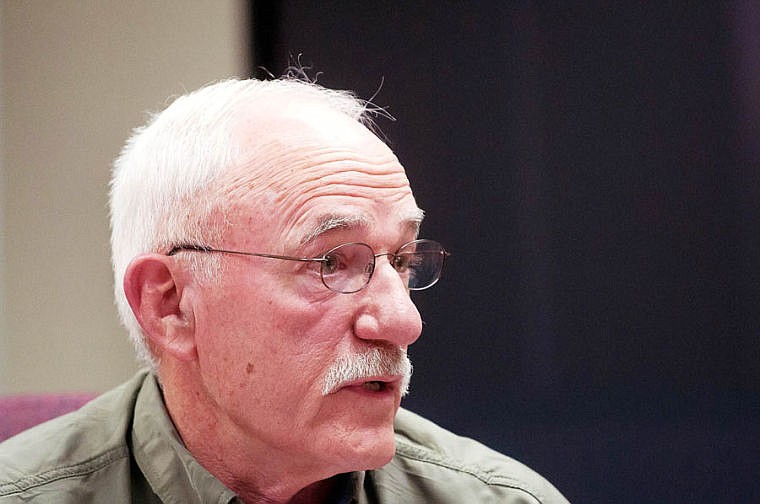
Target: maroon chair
{"type": "Point", "coordinates": [19, 412]}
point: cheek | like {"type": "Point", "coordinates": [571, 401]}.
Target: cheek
{"type": "Point", "coordinates": [265, 348]}
{"type": "Point", "coordinates": [225, 329]}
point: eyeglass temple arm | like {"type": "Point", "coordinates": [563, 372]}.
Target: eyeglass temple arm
{"type": "Point", "coordinates": [203, 248]}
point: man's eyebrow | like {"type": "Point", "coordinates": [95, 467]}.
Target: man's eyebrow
{"type": "Point", "coordinates": [414, 220]}
{"type": "Point", "coordinates": [332, 222]}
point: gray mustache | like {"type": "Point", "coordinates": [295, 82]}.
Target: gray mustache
{"type": "Point", "coordinates": [377, 361]}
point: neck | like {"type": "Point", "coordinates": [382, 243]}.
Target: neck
{"type": "Point", "coordinates": [316, 493]}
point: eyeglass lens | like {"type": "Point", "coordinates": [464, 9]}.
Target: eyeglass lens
{"type": "Point", "coordinates": [348, 268]}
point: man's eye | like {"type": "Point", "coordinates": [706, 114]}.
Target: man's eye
{"type": "Point", "coordinates": [331, 264]}
{"type": "Point", "coordinates": [401, 262]}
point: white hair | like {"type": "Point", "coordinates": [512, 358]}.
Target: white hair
{"type": "Point", "coordinates": [169, 178]}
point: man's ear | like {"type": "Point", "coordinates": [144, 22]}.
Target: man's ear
{"type": "Point", "coordinates": [154, 288]}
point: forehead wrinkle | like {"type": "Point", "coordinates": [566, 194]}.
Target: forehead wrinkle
{"type": "Point", "coordinates": [351, 181]}
{"type": "Point", "coordinates": [336, 174]}
{"type": "Point", "coordinates": [291, 178]}
{"type": "Point", "coordinates": [351, 176]}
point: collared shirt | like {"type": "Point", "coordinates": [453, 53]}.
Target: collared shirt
{"type": "Point", "coordinates": [123, 448]}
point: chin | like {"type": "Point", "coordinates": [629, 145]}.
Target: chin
{"type": "Point", "coordinates": [381, 461]}
{"type": "Point", "coordinates": [357, 430]}
{"type": "Point", "coordinates": [366, 450]}
{"type": "Point", "coordinates": [374, 459]}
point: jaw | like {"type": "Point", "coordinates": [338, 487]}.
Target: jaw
{"type": "Point", "coordinates": [359, 423]}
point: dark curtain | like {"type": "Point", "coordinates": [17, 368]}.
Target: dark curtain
{"type": "Point", "coordinates": [595, 172]}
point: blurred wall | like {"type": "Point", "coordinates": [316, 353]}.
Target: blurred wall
{"type": "Point", "coordinates": [75, 78]}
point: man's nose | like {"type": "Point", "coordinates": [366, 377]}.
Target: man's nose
{"type": "Point", "coordinates": [387, 312]}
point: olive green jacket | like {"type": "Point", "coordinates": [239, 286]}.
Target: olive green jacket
{"type": "Point", "coordinates": [123, 448]}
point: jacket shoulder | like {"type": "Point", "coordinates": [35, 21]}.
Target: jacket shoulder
{"type": "Point", "coordinates": [436, 465]}
{"type": "Point", "coordinates": [51, 460]}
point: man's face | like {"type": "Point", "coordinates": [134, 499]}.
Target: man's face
{"type": "Point", "coordinates": [268, 330]}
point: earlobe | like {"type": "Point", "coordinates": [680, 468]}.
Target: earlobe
{"type": "Point", "coordinates": [155, 290]}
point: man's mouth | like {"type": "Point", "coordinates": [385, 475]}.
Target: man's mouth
{"type": "Point", "coordinates": [372, 385]}
{"type": "Point", "coordinates": [381, 369]}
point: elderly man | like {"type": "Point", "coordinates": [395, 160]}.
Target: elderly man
{"type": "Point", "coordinates": [264, 245]}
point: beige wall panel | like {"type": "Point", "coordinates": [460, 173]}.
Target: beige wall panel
{"type": "Point", "coordinates": [77, 76]}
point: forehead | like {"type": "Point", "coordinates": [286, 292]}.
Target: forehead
{"type": "Point", "coordinates": [308, 170]}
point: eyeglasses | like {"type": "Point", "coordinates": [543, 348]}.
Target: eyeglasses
{"type": "Point", "coordinates": [348, 268]}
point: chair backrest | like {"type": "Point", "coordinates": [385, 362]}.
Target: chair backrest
{"type": "Point", "coordinates": [20, 412]}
